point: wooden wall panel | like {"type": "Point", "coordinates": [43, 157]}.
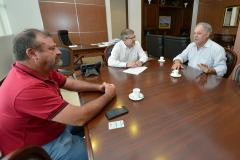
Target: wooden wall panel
{"type": "Point", "coordinates": [84, 19]}
{"type": "Point", "coordinates": [97, 2]}
{"type": "Point", "coordinates": [87, 17]}
{"type": "Point", "coordinates": [213, 12]}
{"type": "Point", "coordinates": [89, 38]}
{"type": "Point", "coordinates": [58, 16]}
{"type": "Point", "coordinates": [68, 1]}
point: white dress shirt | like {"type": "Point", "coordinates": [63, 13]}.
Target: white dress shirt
{"type": "Point", "coordinates": [211, 54]}
{"type": "Point", "coordinates": [121, 54]}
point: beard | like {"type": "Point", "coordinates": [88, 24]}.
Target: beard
{"type": "Point", "coordinates": [56, 63]}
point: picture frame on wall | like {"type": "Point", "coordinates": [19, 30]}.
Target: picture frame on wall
{"type": "Point", "coordinates": [164, 22]}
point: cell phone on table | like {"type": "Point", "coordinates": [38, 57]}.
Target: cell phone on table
{"type": "Point", "coordinates": [116, 112]}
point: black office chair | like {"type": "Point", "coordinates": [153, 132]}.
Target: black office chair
{"type": "Point", "coordinates": [154, 45]}
{"type": "Point", "coordinates": [237, 73]}
{"type": "Point", "coordinates": [231, 61]}
{"type": "Point", "coordinates": [67, 67]}
{"type": "Point", "coordinates": [107, 53]}
{"type": "Point", "coordinates": [28, 153]}
{"type": "Point", "coordinates": [173, 45]}
{"type": "Point", "coordinates": [64, 38]}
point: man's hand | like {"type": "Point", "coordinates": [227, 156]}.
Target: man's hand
{"type": "Point", "coordinates": [177, 65]}
{"type": "Point", "coordinates": [132, 64]}
{"type": "Point", "coordinates": [101, 87]}
{"type": "Point", "coordinates": [206, 69]}
{"type": "Point", "coordinates": [139, 63]}
{"type": "Point", "coordinates": [110, 89]}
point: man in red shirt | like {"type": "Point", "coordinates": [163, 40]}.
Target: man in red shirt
{"type": "Point", "coordinates": [32, 111]}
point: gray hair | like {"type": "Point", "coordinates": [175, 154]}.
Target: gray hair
{"type": "Point", "coordinates": [206, 26]}
{"type": "Point", "coordinates": [26, 39]}
{"type": "Point", "coordinates": [125, 33]}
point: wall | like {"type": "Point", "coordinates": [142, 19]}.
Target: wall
{"type": "Point", "coordinates": [23, 14]}
{"type": "Point", "coordinates": [6, 59]}
{"type": "Point", "coordinates": [118, 17]}
{"type": "Point", "coordinates": [84, 19]}
{"type": "Point", "coordinates": [213, 12]}
{"type": "Point", "coordinates": [134, 17]}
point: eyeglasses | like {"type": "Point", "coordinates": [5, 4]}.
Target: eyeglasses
{"type": "Point", "coordinates": [131, 37]}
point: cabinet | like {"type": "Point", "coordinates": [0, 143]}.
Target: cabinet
{"type": "Point", "coordinates": [166, 17]}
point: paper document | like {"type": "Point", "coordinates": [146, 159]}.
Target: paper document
{"type": "Point", "coordinates": [135, 71]}
{"type": "Point", "coordinates": [73, 46]}
{"type": "Point", "coordinates": [115, 124]}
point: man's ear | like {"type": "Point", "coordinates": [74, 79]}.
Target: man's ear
{"type": "Point", "coordinates": [31, 53]}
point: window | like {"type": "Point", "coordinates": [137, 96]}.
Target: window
{"type": "Point", "coordinates": [5, 28]}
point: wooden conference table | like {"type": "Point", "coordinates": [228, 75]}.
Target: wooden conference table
{"type": "Point", "coordinates": [195, 117]}
{"type": "Point", "coordinates": [86, 50]}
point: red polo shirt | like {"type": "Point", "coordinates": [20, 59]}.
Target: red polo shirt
{"type": "Point", "coordinates": [28, 102]}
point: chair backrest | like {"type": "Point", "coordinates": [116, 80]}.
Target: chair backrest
{"type": "Point", "coordinates": [231, 61]}
{"type": "Point", "coordinates": [154, 45]}
{"type": "Point", "coordinates": [28, 153]}
{"type": "Point", "coordinates": [108, 52]}
{"type": "Point", "coordinates": [67, 66]}
{"type": "Point", "coordinates": [64, 38]}
{"type": "Point", "coordinates": [237, 73]}
{"type": "Point", "coordinates": [172, 45]}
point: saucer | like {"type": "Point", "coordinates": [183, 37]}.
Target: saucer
{"type": "Point", "coordinates": [161, 60]}
{"type": "Point", "coordinates": [175, 76]}
{"type": "Point", "coordinates": [132, 97]}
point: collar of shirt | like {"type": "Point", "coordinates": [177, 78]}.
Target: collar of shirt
{"type": "Point", "coordinates": [123, 44]}
{"type": "Point", "coordinates": [29, 71]}
{"type": "Point", "coordinates": [206, 45]}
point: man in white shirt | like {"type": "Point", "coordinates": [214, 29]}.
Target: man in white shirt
{"type": "Point", "coordinates": [127, 52]}
{"type": "Point", "coordinates": [203, 53]}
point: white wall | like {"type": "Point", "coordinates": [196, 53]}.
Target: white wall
{"type": "Point", "coordinates": [134, 17]}
{"type": "Point", "coordinates": [194, 17]}
{"type": "Point", "coordinates": [6, 55]}
{"type": "Point", "coordinates": [109, 19]}
{"type": "Point", "coordinates": [118, 17]}
{"type": "Point", "coordinates": [23, 14]}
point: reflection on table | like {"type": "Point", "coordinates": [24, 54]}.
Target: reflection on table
{"type": "Point", "coordinates": [178, 119]}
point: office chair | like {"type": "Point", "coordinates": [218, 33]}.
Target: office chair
{"type": "Point", "coordinates": [231, 61]}
{"type": "Point", "coordinates": [107, 53]}
{"type": "Point", "coordinates": [154, 45]}
{"type": "Point", "coordinates": [67, 67]}
{"type": "Point", "coordinates": [237, 73]}
{"type": "Point", "coordinates": [28, 153]}
{"type": "Point", "coordinates": [172, 45]}
{"type": "Point", "coordinates": [64, 38]}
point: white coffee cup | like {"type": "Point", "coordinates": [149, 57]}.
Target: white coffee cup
{"type": "Point", "coordinates": [136, 92]}
{"type": "Point", "coordinates": [161, 58]}
{"type": "Point", "coordinates": [175, 72]}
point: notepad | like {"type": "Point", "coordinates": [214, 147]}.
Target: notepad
{"type": "Point", "coordinates": [135, 71]}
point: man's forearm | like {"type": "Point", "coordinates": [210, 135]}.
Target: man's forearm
{"type": "Point", "coordinates": [80, 86]}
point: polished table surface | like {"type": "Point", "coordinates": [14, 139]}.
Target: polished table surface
{"type": "Point", "coordinates": [195, 117]}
